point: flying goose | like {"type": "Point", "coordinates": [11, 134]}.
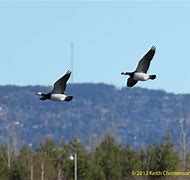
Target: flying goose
{"type": "Point", "coordinates": [57, 93]}
{"type": "Point", "coordinates": [140, 73]}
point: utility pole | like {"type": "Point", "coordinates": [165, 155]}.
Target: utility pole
{"type": "Point", "coordinates": [31, 167]}
{"type": "Point", "coordinates": [42, 162]}
{"type": "Point", "coordinates": [75, 166]}
{"type": "Point", "coordinates": [31, 172]}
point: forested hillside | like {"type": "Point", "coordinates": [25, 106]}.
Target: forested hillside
{"type": "Point", "coordinates": [135, 116]}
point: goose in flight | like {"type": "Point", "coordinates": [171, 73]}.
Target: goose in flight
{"type": "Point", "coordinates": [140, 73]}
{"type": "Point", "coordinates": [57, 93]}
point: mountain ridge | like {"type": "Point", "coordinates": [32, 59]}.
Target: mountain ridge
{"type": "Point", "coordinates": [135, 116]}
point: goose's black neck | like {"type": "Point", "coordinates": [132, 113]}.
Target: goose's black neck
{"type": "Point", "coordinates": [131, 74]}
{"type": "Point", "coordinates": [48, 95]}
{"type": "Point", "coordinates": [45, 96]}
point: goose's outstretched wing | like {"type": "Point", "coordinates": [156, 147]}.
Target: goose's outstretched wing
{"type": "Point", "coordinates": [131, 82]}
{"type": "Point", "coordinates": [144, 63]}
{"type": "Point", "coordinates": [60, 85]}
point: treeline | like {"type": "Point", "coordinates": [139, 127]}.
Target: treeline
{"type": "Point", "coordinates": [109, 161]}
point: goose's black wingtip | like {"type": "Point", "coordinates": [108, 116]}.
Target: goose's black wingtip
{"type": "Point", "coordinates": [68, 72]}
{"type": "Point", "coordinates": [153, 48]}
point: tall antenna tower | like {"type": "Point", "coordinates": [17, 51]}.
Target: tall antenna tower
{"type": "Point", "coordinates": [72, 76]}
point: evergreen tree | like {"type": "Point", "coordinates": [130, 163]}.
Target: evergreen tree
{"type": "Point", "coordinates": [93, 170]}
{"type": "Point", "coordinates": [130, 161]}
{"type": "Point", "coordinates": [75, 147]}
{"type": "Point", "coordinates": [108, 157]}
{"type": "Point", "coordinates": [169, 157]}
{"type": "Point", "coordinates": [4, 169]}
{"type": "Point", "coordinates": [26, 162]}
{"type": "Point", "coordinates": [162, 157]}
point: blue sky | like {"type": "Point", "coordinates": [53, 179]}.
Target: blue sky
{"type": "Point", "coordinates": [108, 36]}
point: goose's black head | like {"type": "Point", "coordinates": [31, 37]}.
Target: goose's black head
{"type": "Point", "coordinates": [131, 74]}
{"type": "Point", "coordinates": [44, 96]}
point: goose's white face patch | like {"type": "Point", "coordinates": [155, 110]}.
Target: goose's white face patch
{"type": "Point", "coordinates": [58, 97]}
{"type": "Point", "coordinates": [39, 93]}
{"type": "Point", "coordinates": [139, 76]}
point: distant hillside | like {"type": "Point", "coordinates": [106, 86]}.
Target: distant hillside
{"type": "Point", "coordinates": [135, 116]}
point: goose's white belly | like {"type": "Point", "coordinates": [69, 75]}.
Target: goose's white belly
{"type": "Point", "coordinates": [140, 76]}
{"type": "Point", "coordinates": [58, 97]}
